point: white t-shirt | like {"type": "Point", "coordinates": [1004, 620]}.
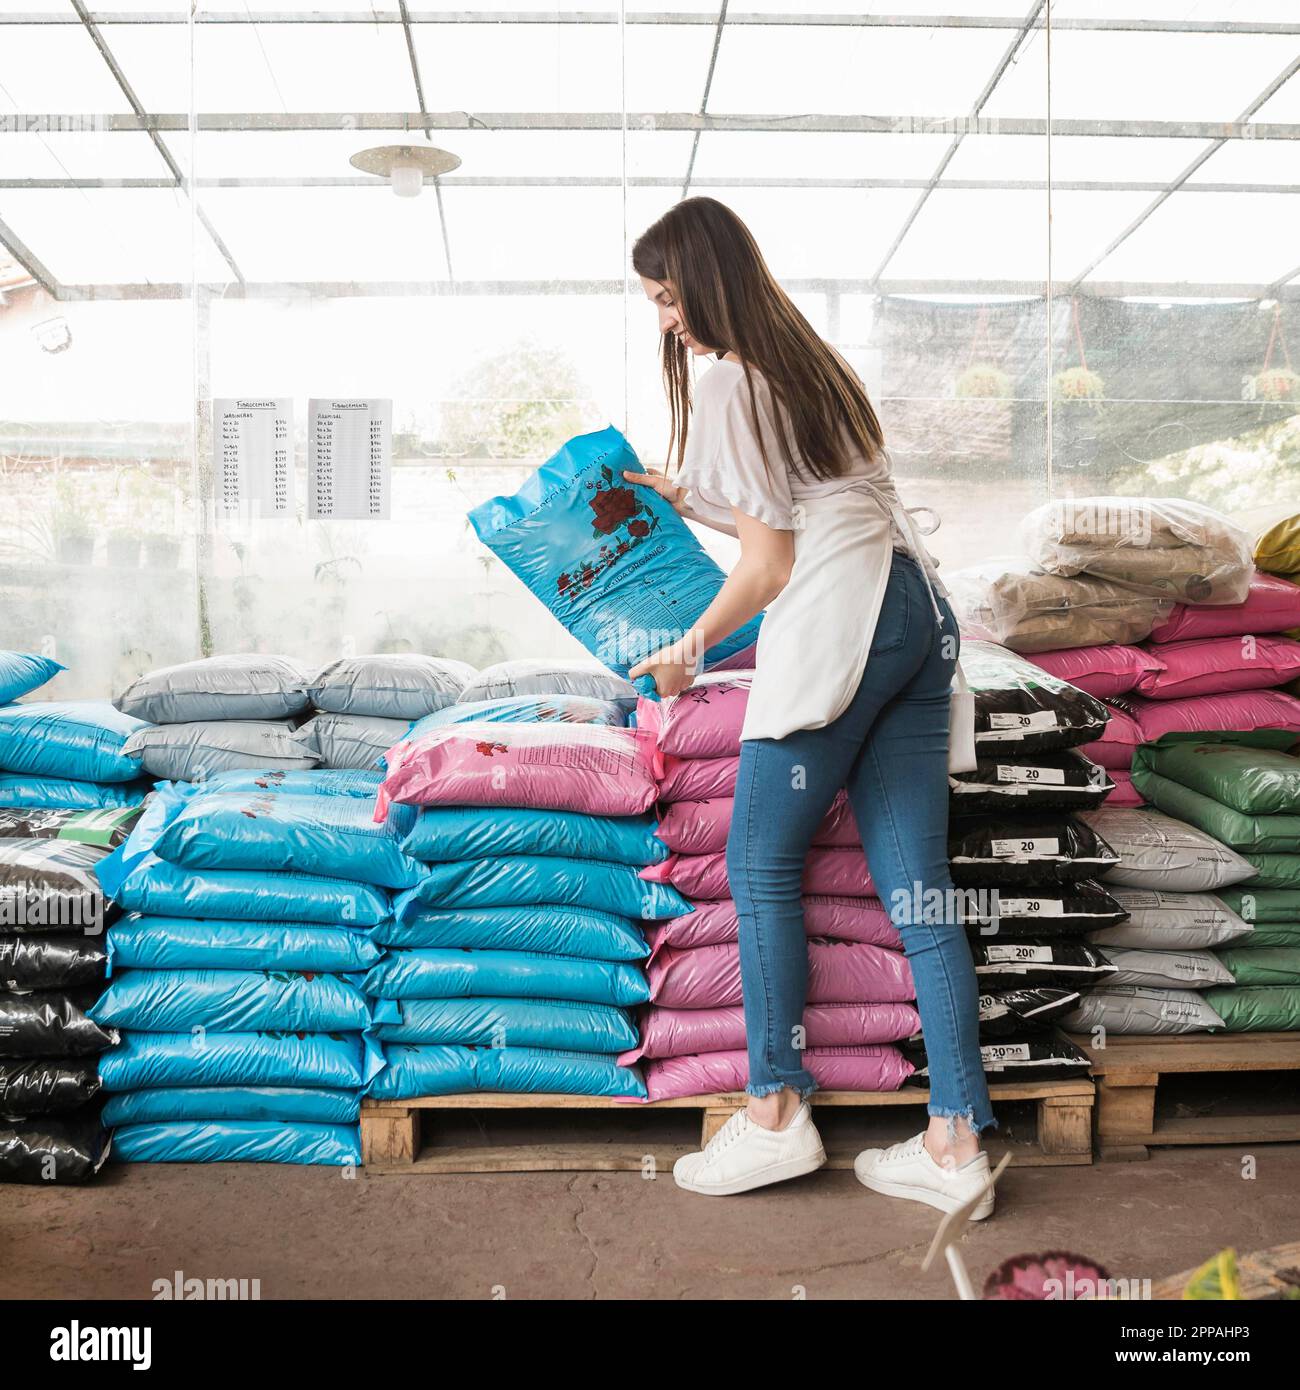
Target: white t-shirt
{"type": "Point", "coordinates": [723, 464]}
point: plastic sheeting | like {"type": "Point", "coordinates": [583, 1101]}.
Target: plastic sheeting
{"type": "Point", "coordinates": [1163, 546]}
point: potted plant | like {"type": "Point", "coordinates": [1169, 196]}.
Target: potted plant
{"type": "Point", "coordinates": [71, 527]}
{"type": "Point", "coordinates": [982, 380]}
{"type": "Point", "coordinates": [1277, 384]}
{"type": "Point", "coordinates": [1078, 384]}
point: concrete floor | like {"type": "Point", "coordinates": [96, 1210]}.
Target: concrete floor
{"type": "Point", "coordinates": [311, 1233]}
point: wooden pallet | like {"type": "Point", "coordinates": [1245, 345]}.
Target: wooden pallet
{"type": "Point", "coordinates": [1128, 1071]}
{"type": "Point", "coordinates": [391, 1137]}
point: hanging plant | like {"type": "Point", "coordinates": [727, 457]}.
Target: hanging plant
{"type": "Point", "coordinates": [983, 380]}
{"type": "Point", "coordinates": [1078, 383]}
{"type": "Point", "coordinates": [1276, 383]}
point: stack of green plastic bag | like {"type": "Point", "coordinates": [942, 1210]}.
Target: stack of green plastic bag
{"type": "Point", "coordinates": [1244, 789]}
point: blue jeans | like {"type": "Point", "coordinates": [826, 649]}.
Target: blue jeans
{"type": "Point", "coordinates": [890, 750]}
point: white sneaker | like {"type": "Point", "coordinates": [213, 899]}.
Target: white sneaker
{"type": "Point", "coordinates": [907, 1170]}
{"type": "Point", "coordinates": [743, 1155]}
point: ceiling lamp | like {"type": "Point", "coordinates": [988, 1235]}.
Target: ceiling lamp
{"type": "Point", "coordinates": [405, 166]}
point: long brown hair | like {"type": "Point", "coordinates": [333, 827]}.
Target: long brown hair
{"type": "Point", "coordinates": [729, 300]}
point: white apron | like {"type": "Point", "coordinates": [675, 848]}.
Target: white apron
{"type": "Point", "coordinates": [816, 635]}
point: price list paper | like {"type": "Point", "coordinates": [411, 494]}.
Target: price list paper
{"type": "Point", "coordinates": [349, 459]}
{"type": "Point", "coordinates": [252, 473]}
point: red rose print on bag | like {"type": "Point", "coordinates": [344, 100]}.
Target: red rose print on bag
{"type": "Point", "coordinates": [613, 506]}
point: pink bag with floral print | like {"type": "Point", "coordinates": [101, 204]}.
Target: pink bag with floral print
{"type": "Point", "coordinates": [559, 767]}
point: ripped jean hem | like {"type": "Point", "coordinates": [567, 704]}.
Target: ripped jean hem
{"type": "Point", "coordinates": [771, 1088]}
{"type": "Point", "coordinates": [966, 1113]}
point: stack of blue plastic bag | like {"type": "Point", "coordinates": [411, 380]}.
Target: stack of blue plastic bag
{"type": "Point", "coordinates": [235, 975]}
{"type": "Point", "coordinates": [515, 963]}
{"type": "Point", "coordinates": [62, 754]}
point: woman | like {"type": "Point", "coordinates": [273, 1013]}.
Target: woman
{"type": "Point", "coordinates": [782, 449]}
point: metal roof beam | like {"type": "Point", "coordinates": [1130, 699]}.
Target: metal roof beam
{"type": "Point", "coordinates": [962, 289]}
{"type": "Point", "coordinates": [792, 18]}
{"type": "Point", "coordinates": [273, 122]}
{"type": "Point", "coordinates": [1215, 145]}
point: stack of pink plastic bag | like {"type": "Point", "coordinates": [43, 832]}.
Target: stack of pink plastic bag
{"type": "Point", "coordinates": [860, 988]}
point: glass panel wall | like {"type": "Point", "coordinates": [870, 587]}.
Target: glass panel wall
{"type": "Point", "coordinates": [1110, 307]}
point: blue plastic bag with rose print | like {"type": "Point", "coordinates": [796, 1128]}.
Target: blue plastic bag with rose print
{"type": "Point", "coordinates": [612, 561]}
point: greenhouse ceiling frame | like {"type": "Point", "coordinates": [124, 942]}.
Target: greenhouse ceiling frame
{"type": "Point", "coordinates": [156, 125]}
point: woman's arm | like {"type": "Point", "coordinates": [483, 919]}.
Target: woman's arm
{"type": "Point", "coordinates": [675, 496]}
{"type": "Point", "coordinates": [763, 570]}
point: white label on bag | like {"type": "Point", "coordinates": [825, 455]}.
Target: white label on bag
{"type": "Point", "coordinates": [1030, 907]}
{"type": "Point", "coordinates": [1004, 849]}
{"type": "Point", "coordinates": [1005, 1052]}
{"type": "Point", "coordinates": [1048, 776]}
{"type": "Point", "coordinates": [1041, 719]}
{"type": "Point", "coordinates": [1018, 953]}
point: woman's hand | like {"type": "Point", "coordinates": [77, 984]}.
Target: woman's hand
{"type": "Point", "coordinates": [672, 668]}
{"type": "Point", "coordinates": [672, 494]}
